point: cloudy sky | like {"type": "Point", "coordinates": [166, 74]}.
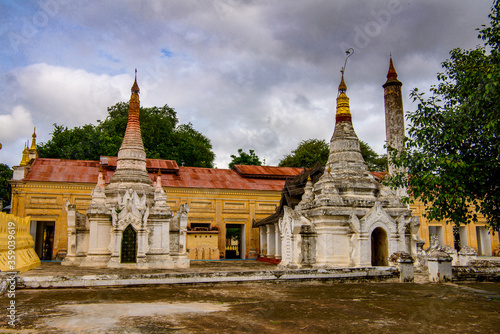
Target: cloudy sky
{"type": "Point", "coordinates": [259, 75]}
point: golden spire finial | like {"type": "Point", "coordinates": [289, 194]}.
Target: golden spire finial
{"type": "Point", "coordinates": [33, 140]}
{"type": "Point", "coordinates": [343, 110]}
{"type": "Point", "coordinates": [342, 86]}
{"type": "Point", "coordinates": [25, 159]}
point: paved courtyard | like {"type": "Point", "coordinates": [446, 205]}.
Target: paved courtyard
{"type": "Point", "coordinates": [295, 307]}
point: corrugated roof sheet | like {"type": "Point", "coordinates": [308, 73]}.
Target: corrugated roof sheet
{"type": "Point", "coordinates": [166, 166]}
{"type": "Point", "coordinates": [80, 171]}
{"type": "Point", "coordinates": [267, 171]}
{"type": "Point", "coordinates": [59, 170]}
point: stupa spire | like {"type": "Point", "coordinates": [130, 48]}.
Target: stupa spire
{"type": "Point", "coordinates": [25, 158]}
{"type": "Point", "coordinates": [132, 138]}
{"type": "Point", "coordinates": [131, 163]}
{"type": "Point", "coordinates": [33, 140]}
{"type": "Point", "coordinates": [392, 75]}
{"type": "Point", "coordinates": [343, 111]}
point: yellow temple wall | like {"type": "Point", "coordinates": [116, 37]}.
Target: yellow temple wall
{"type": "Point", "coordinates": [45, 202]}
{"type": "Point", "coordinates": [473, 232]}
{"type": "Point", "coordinates": [221, 207]}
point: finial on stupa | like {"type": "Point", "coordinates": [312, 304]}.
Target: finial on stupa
{"type": "Point", "coordinates": [33, 140]}
{"type": "Point", "coordinates": [343, 110]}
{"type": "Point", "coordinates": [343, 86]}
{"type": "Point", "coordinates": [135, 87]}
{"type": "Point", "coordinates": [25, 158]}
{"type": "Point", "coordinates": [391, 74]}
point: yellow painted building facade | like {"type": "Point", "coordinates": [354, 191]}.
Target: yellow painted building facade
{"type": "Point", "coordinates": [215, 210]}
{"type": "Point", "coordinates": [212, 211]}
{"type": "Point", "coordinates": [475, 235]}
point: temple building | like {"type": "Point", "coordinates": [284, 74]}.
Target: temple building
{"type": "Point", "coordinates": [66, 198]}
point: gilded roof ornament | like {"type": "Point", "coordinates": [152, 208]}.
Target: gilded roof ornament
{"type": "Point", "coordinates": [25, 159]}
{"type": "Point", "coordinates": [33, 140]}
{"type": "Point", "coordinates": [343, 110]}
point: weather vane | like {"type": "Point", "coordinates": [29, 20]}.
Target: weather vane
{"type": "Point", "coordinates": [348, 53]}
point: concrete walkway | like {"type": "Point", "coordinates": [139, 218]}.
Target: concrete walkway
{"type": "Point", "coordinates": [53, 275]}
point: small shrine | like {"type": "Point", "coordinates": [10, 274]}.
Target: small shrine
{"type": "Point", "coordinates": [128, 223]}
{"type": "Point", "coordinates": [338, 215]}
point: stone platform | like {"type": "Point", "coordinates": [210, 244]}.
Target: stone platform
{"type": "Point", "coordinates": [53, 275]}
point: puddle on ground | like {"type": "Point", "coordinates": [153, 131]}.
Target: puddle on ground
{"type": "Point", "coordinates": [88, 317]}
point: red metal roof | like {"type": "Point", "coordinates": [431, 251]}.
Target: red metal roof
{"type": "Point", "coordinates": [80, 171]}
{"type": "Point", "coordinates": [59, 170]}
{"type": "Point", "coordinates": [267, 171]}
{"type": "Point", "coordinates": [166, 166]}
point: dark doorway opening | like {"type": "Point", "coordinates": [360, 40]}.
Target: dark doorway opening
{"type": "Point", "coordinates": [380, 247]}
{"type": "Point", "coordinates": [44, 240]}
{"type": "Point", "coordinates": [234, 239]}
{"type": "Point", "coordinates": [129, 245]}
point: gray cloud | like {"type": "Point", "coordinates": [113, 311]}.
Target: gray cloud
{"type": "Point", "coordinates": [259, 75]}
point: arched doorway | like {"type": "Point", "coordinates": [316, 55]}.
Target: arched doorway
{"type": "Point", "coordinates": [380, 247]}
{"type": "Point", "coordinates": [129, 245]}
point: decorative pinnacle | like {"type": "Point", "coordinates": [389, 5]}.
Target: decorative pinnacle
{"type": "Point", "coordinates": [33, 141]}
{"type": "Point", "coordinates": [343, 86]}
{"type": "Point", "coordinates": [135, 87]}
{"type": "Point", "coordinates": [343, 111]}
{"type": "Point", "coordinates": [392, 74]}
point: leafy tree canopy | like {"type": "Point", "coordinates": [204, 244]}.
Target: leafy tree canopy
{"type": "Point", "coordinates": [307, 154]}
{"type": "Point", "coordinates": [5, 189]}
{"type": "Point", "coordinates": [244, 158]}
{"type": "Point", "coordinates": [311, 151]}
{"type": "Point", "coordinates": [375, 162]}
{"type": "Point", "coordinates": [163, 138]}
{"type": "Point", "coordinates": [452, 154]}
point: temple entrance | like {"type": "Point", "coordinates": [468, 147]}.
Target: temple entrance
{"type": "Point", "coordinates": [380, 249]}
{"type": "Point", "coordinates": [129, 245]}
{"type": "Point", "coordinates": [234, 241]}
{"type": "Point", "coordinates": [43, 237]}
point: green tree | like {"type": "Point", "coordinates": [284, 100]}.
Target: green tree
{"type": "Point", "coordinates": [452, 154]}
{"type": "Point", "coordinates": [163, 138]}
{"type": "Point", "coordinates": [244, 158]}
{"type": "Point", "coordinates": [307, 154]}
{"type": "Point", "coordinates": [5, 189]}
{"type": "Point", "coordinates": [375, 162]}
{"type": "Point", "coordinates": [311, 151]}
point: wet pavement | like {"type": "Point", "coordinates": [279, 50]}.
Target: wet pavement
{"type": "Point", "coordinates": [287, 307]}
{"type": "Point", "coordinates": [298, 307]}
